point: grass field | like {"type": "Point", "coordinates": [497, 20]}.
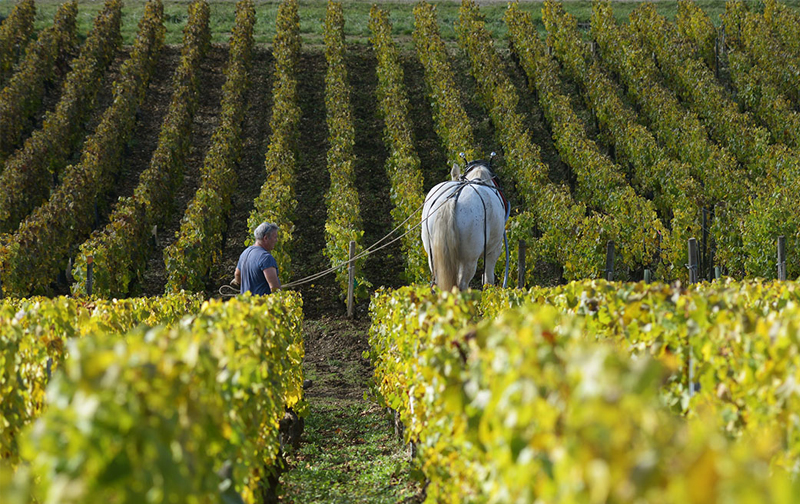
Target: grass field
{"type": "Point", "coordinates": [356, 16]}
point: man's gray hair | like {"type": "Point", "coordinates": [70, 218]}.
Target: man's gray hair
{"type": "Point", "coordinates": [265, 229]}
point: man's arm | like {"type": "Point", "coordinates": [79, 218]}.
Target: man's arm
{"type": "Point", "coordinates": [237, 275]}
{"type": "Point", "coordinates": [271, 274]}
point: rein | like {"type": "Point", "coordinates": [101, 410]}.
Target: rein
{"type": "Point", "coordinates": [366, 252]}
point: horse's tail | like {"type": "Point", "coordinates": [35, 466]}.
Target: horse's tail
{"type": "Point", "coordinates": [445, 247]}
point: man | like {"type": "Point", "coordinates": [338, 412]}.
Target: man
{"type": "Point", "coordinates": [257, 270]}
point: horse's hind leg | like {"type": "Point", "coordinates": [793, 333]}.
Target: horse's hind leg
{"type": "Point", "coordinates": [491, 261]}
{"type": "Point", "coordinates": [465, 273]}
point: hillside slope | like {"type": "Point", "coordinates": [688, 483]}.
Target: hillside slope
{"type": "Point", "coordinates": [383, 268]}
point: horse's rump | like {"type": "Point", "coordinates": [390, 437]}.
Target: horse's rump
{"type": "Point", "coordinates": [463, 220]}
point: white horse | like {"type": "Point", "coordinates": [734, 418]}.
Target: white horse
{"type": "Point", "coordinates": [463, 220]}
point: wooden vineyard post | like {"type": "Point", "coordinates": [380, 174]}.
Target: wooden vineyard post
{"type": "Point", "coordinates": [68, 272]}
{"type": "Point", "coordinates": [610, 260]}
{"type": "Point", "coordinates": [782, 258]}
{"type": "Point", "coordinates": [399, 428]}
{"type": "Point", "coordinates": [648, 276]}
{"type": "Point", "coordinates": [351, 272]}
{"type": "Point", "coordinates": [521, 264]}
{"type": "Point", "coordinates": [89, 274]}
{"type": "Point", "coordinates": [693, 260]}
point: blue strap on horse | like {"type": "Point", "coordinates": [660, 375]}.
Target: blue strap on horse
{"type": "Point", "coordinates": [506, 206]}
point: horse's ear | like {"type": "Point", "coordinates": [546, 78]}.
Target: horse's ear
{"type": "Point", "coordinates": [455, 172]}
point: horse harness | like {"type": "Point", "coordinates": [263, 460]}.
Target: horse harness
{"type": "Point", "coordinates": [456, 193]}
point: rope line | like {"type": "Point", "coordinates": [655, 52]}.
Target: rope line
{"type": "Point", "coordinates": [233, 291]}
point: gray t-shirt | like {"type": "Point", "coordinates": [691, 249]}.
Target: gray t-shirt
{"type": "Point", "coordinates": [252, 263]}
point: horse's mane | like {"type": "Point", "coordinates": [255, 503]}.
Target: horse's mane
{"type": "Point", "coordinates": [478, 170]}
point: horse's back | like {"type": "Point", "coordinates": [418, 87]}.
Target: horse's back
{"type": "Point", "coordinates": [479, 214]}
{"type": "Point", "coordinates": [480, 218]}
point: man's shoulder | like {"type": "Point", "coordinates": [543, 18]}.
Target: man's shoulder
{"type": "Point", "coordinates": [246, 249]}
{"type": "Point", "coordinates": [268, 259]}
{"type": "Point", "coordinates": [263, 253]}
{"type": "Point", "coordinates": [259, 255]}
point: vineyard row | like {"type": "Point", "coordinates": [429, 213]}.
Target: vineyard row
{"type": "Point", "coordinates": [148, 396]}
{"type": "Point", "coordinates": [595, 390]}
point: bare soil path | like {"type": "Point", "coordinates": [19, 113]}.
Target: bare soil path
{"type": "Point", "coordinates": [149, 118]}
{"type": "Point", "coordinates": [205, 121]}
